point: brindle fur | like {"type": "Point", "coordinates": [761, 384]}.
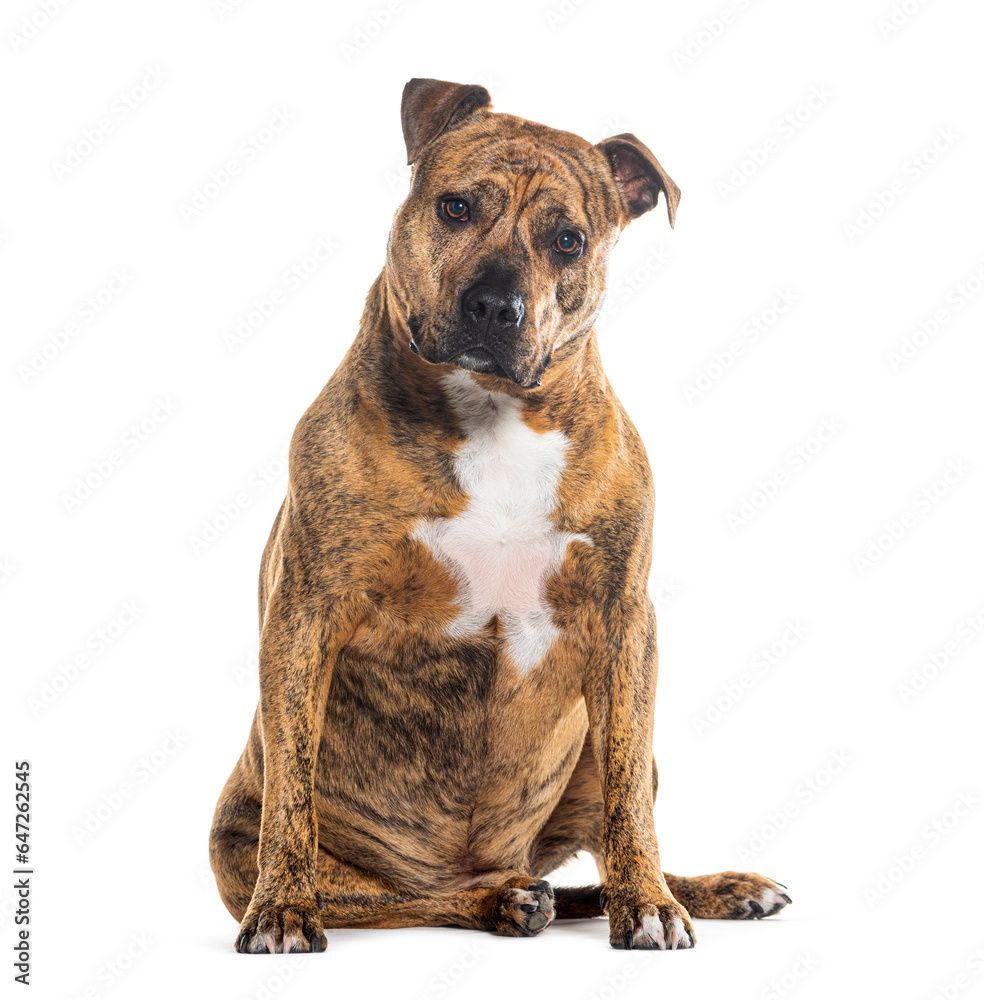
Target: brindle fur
{"type": "Point", "coordinates": [395, 776]}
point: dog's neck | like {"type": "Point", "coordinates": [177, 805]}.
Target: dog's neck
{"type": "Point", "coordinates": [574, 395]}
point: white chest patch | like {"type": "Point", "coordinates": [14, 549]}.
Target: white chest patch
{"type": "Point", "coordinates": [504, 546]}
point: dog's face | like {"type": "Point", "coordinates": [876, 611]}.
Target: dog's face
{"type": "Point", "coordinates": [500, 252]}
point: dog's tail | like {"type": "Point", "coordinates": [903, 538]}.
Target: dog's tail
{"type": "Point", "coordinates": [578, 903]}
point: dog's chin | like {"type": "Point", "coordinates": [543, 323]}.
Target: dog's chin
{"type": "Point", "coordinates": [479, 360]}
{"type": "Point", "coordinates": [483, 362]}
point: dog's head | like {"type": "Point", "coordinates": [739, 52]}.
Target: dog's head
{"type": "Point", "coordinates": [500, 252]}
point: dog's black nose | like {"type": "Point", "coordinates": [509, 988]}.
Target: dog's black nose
{"type": "Point", "coordinates": [488, 309]}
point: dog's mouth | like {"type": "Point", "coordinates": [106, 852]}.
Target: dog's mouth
{"type": "Point", "coordinates": [483, 362]}
{"type": "Point", "coordinates": [477, 359]}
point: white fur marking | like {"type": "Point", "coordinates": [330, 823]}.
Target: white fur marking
{"type": "Point", "coordinates": [772, 900]}
{"type": "Point", "coordinates": [650, 930]}
{"type": "Point", "coordinates": [504, 546]}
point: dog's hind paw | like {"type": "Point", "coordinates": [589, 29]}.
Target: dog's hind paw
{"type": "Point", "coordinates": [730, 895]}
{"type": "Point", "coordinates": [769, 901]}
{"type": "Point", "coordinates": [522, 908]}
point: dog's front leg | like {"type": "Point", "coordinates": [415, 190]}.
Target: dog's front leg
{"type": "Point", "coordinates": [297, 653]}
{"type": "Point", "coordinates": [619, 692]}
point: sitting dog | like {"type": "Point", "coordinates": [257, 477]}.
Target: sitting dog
{"type": "Point", "coordinates": [457, 645]}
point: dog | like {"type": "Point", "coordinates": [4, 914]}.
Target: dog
{"type": "Point", "coordinates": [457, 646]}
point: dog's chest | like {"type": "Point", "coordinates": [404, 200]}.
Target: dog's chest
{"type": "Point", "coordinates": [504, 546]}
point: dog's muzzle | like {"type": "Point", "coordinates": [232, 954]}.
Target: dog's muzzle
{"type": "Point", "coordinates": [487, 338]}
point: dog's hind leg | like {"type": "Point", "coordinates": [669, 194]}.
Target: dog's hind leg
{"type": "Point", "coordinates": [575, 825]}
{"type": "Point", "coordinates": [510, 903]}
{"type": "Point", "coordinates": [729, 895]}
{"type": "Point", "coordinates": [726, 895]}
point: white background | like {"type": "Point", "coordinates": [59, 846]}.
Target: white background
{"type": "Point", "coordinates": [828, 772]}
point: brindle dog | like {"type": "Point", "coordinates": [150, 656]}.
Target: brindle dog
{"type": "Point", "coordinates": [457, 645]}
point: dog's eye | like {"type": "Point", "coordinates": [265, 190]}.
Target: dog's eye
{"type": "Point", "coordinates": [568, 243]}
{"type": "Point", "coordinates": [456, 209]}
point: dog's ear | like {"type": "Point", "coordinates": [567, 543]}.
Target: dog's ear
{"type": "Point", "coordinates": [639, 176]}
{"type": "Point", "coordinates": [431, 106]}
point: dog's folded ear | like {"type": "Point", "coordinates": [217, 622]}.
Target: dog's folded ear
{"type": "Point", "coordinates": [430, 107]}
{"type": "Point", "coordinates": [639, 176]}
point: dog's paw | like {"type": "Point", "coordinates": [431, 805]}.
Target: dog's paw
{"type": "Point", "coordinates": [279, 929]}
{"type": "Point", "coordinates": [732, 895]}
{"type": "Point", "coordinates": [522, 908]}
{"type": "Point", "coordinates": [661, 926]}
